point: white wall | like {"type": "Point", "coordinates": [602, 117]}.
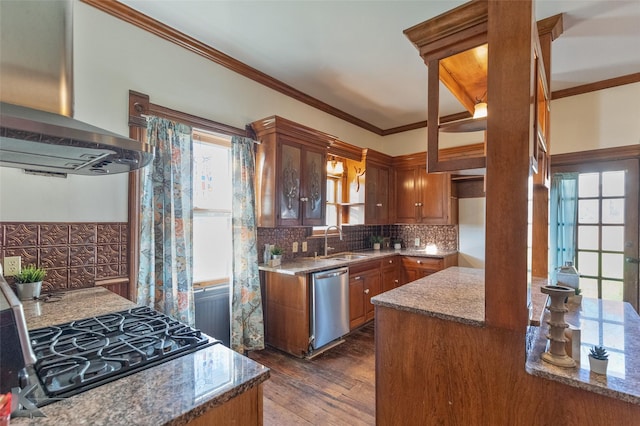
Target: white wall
{"type": "Point", "coordinates": [31, 198]}
{"type": "Point", "coordinates": [603, 119]}
{"type": "Point", "coordinates": [112, 57]}
{"type": "Point", "coordinates": [472, 232]}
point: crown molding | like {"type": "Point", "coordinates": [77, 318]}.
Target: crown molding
{"type": "Point", "coordinates": [144, 22]}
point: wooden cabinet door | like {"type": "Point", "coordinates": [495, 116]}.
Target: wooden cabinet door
{"type": "Point", "coordinates": [364, 283]}
{"type": "Point", "coordinates": [410, 274]}
{"type": "Point", "coordinates": [372, 287]}
{"type": "Point", "coordinates": [286, 306]}
{"type": "Point", "coordinates": [356, 302]}
{"type": "Point", "coordinates": [407, 189]}
{"type": "Point", "coordinates": [376, 204]}
{"type": "Point", "coordinates": [382, 202]}
{"type": "Point", "coordinates": [301, 185]}
{"type": "Point", "coordinates": [390, 274]}
{"type": "Point", "coordinates": [314, 187]}
{"type": "Point", "coordinates": [371, 195]}
{"type": "Point", "coordinates": [436, 192]}
{"type": "Point", "coordinates": [288, 187]}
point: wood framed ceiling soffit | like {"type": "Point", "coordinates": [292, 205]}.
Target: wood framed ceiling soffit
{"type": "Point", "coordinates": [454, 47]}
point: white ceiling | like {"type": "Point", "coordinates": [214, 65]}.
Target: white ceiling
{"type": "Point", "coordinates": [354, 56]}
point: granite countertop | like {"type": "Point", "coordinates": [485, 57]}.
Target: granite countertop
{"type": "Point", "coordinates": [455, 294]}
{"type": "Point", "coordinates": [306, 265]}
{"type": "Point", "coordinates": [616, 326]}
{"type": "Point", "coordinates": [171, 393]}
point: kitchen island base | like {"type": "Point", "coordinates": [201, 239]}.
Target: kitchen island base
{"type": "Point", "coordinates": [431, 370]}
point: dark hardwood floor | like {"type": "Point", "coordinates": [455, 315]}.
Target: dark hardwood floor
{"type": "Point", "coordinates": [335, 388]}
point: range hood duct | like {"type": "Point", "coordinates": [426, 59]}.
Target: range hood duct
{"type": "Point", "coordinates": [37, 128]}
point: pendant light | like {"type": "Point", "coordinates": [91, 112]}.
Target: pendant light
{"type": "Point", "coordinates": [480, 110]}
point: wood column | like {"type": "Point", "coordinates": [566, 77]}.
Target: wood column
{"type": "Point", "coordinates": [509, 135]}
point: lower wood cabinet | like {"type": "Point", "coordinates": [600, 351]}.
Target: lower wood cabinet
{"type": "Point", "coordinates": [391, 273]}
{"type": "Point", "coordinates": [286, 312]}
{"type": "Point", "coordinates": [364, 283]}
{"type": "Point", "coordinates": [415, 267]}
{"type": "Point", "coordinates": [286, 298]}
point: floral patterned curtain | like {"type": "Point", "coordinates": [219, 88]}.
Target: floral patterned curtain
{"type": "Point", "coordinates": [247, 327]}
{"type": "Point", "coordinates": [166, 214]}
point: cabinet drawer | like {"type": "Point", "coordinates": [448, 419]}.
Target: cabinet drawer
{"type": "Point", "coordinates": [390, 262]}
{"type": "Point", "coordinates": [426, 263]}
{"type": "Point", "coordinates": [364, 268]}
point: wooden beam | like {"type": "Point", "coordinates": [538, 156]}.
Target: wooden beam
{"type": "Point", "coordinates": [509, 134]}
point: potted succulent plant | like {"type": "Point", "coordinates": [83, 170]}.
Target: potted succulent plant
{"type": "Point", "coordinates": [376, 240]}
{"type": "Point", "coordinates": [29, 282]}
{"type": "Point", "coordinates": [598, 360]}
{"type": "Point", "coordinates": [276, 256]}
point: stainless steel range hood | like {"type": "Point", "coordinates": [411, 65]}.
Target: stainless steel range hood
{"type": "Point", "coordinates": [37, 131]}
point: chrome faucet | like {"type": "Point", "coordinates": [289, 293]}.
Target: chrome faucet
{"type": "Point", "coordinates": [326, 233]}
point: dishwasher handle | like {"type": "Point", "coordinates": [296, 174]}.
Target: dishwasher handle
{"type": "Point", "coordinates": [331, 274]}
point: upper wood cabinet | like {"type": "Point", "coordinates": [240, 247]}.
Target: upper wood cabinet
{"type": "Point", "coordinates": [291, 173]}
{"type": "Point", "coordinates": [422, 197]}
{"type": "Point", "coordinates": [377, 208]}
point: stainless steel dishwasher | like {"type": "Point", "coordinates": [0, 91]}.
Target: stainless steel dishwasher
{"type": "Point", "coordinates": [329, 306]}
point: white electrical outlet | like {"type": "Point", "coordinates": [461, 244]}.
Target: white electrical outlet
{"type": "Point", "coordinates": [304, 246]}
{"type": "Point", "coordinates": [12, 266]}
{"type": "Point", "coordinates": [294, 248]}
{"type": "Point", "coordinates": [417, 242]}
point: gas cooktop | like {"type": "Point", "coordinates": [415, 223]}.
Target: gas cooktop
{"type": "Point", "coordinates": [83, 354]}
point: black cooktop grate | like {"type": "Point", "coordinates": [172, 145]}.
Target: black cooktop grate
{"type": "Point", "coordinates": [83, 354]}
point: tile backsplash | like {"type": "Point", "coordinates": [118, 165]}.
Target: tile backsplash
{"type": "Point", "coordinates": [74, 255]}
{"type": "Point", "coordinates": [356, 237]}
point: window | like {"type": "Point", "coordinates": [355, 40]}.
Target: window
{"type": "Point", "coordinates": [600, 241]}
{"type": "Point", "coordinates": [211, 209]}
{"type": "Point", "coordinates": [334, 198]}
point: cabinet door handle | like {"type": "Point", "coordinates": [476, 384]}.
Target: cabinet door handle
{"type": "Point", "coordinates": [419, 262]}
{"type": "Point", "coordinates": [391, 261]}
{"type": "Point", "coordinates": [304, 199]}
{"type": "Point", "coordinates": [366, 291]}
{"type": "Point", "coordinates": [396, 281]}
{"type": "Point", "coordinates": [415, 204]}
{"type": "Point", "coordinates": [357, 278]}
{"type": "Point", "coordinates": [379, 205]}
{"type": "Point", "coordinates": [632, 260]}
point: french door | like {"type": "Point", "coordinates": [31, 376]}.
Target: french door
{"type": "Point", "coordinates": [607, 229]}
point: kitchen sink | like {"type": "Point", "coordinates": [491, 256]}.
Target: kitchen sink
{"type": "Point", "coordinates": [347, 256]}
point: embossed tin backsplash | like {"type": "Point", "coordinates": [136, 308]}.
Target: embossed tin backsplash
{"type": "Point", "coordinates": [74, 254]}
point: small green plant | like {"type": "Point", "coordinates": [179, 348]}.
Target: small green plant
{"type": "Point", "coordinates": [377, 239]}
{"type": "Point", "coordinates": [598, 352]}
{"type": "Point", "coordinates": [578, 291]}
{"type": "Point", "coordinates": [30, 274]}
{"type": "Point", "coordinates": [276, 251]}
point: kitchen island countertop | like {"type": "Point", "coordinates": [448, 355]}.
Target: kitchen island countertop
{"type": "Point", "coordinates": [457, 294]}
{"type": "Point", "coordinates": [171, 393]}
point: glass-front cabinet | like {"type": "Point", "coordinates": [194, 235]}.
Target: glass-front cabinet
{"type": "Point", "coordinates": [290, 173]}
